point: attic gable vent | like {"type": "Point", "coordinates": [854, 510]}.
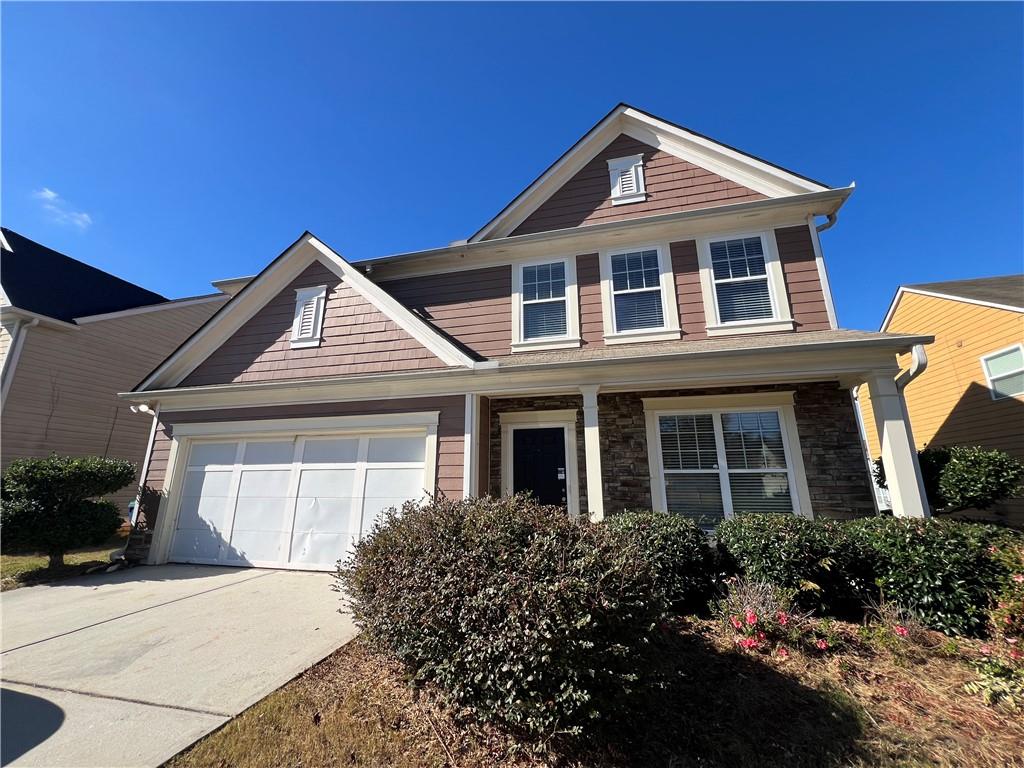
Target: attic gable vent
{"type": "Point", "coordinates": [627, 179]}
{"type": "Point", "coordinates": [309, 316]}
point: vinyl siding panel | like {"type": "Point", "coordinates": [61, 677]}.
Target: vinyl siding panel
{"type": "Point", "coordinates": [357, 339]}
{"type": "Point", "coordinates": [588, 279]}
{"type": "Point", "coordinates": [672, 185]}
{"type": "Point", "coordinates": [63, 397]}
{"type": "Point", "coordinates": [950, 403]}
{"type": "Point", "coordinates": [473, 307]}
{"type": "Point", "coordinates": [686, 269]}
{"type": "Point", "coordinates": [803, 282]}
{"type": "Point", "coordinates": [450, 433]}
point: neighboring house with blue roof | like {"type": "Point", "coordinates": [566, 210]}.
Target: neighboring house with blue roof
{"type": "Point", "coordinates": [72, 337]}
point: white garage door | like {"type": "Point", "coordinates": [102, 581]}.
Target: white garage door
{"type": "Point", "coordinates": [300, 502]}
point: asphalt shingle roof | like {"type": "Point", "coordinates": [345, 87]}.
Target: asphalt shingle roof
{"type": "Point", "coordinates": [1006, 289]}
{"type": "Point", "coordinates": [41, 280]}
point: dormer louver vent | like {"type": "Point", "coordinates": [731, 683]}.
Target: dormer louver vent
{"type": "Point", "coordinates": [627, 179]}
{"type": "Point", "coordinates": [309, 316]}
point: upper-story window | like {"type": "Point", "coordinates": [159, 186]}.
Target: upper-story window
{"type": "Point", "coordinates": [546, 305]}
{"type": "Point", "coordinates": [743, 286]}
{"type": "Point", "coordinates": [1004, 371]}
{"type": "Point", "coordinates": [627, 179]}
{"type": "Point", "coordinates": [639, 299]}
{"type": "Point", "coordinates": [307, 326]}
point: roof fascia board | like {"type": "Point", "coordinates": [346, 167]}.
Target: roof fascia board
{"type": "Point", "coordinates": [392, 308]}
{"type": "Point", "coordinates": [821, 361]}
{"type": "Point", "coordinates": [230, 317]}
{"type": "Point", "coordinates": [936, 295]}
{"type": "Point", "coordinates": [46, 321]}
{"type": "Point", "coordinates": [171, 304]}
{"type": "Point", "coordinates": [775, 212]}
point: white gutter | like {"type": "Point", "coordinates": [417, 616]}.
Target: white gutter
{"type": "Point", "coordinates": [918, 365]}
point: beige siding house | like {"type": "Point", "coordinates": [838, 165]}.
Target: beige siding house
{"type": "Point", "coordinates": [972, 392]}
{"type": "Point", "coordinates": [648, 325]}
{"type": "Point", "coordinates": [62, 370]}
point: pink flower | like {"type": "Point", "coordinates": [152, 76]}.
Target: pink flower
{"type": "Point", "coordinates": [782, 653]}
{"type": "Point", "coordinates": [783, 618]}
{"type": "Point", "coordinates": [1011, 640]}
{"type": "Point", "coordinates": [735, 621]}
{"type": "Point", "coordinates": [993, 550]}
{"type": "Point", "coordinates": [751, 618]}
{"type": "Point", "coordinates": [749, 642]}
{"type": "Point", "coordinates": [900, 630]}
{"type": "Point", "coordinates": [1019, 578]}
{"type": "Point", "coordinates": [822, 645]}
{"type": "Point", "coordinates": [986, 650]}
{"type": "Point", "coordinates": [760, 636]}
{"type": "Point", "coordinates": [1015, 654]}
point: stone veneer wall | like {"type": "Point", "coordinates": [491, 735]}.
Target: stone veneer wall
{"type": "Point", "coordinates": [837, 475]}
{"type": "Point", "coordinates": [519, 404]}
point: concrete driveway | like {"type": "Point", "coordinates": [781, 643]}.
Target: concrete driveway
{"type": "Point", "coordinates": [129, 668]}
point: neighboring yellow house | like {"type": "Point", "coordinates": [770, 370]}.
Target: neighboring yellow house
{"type": "Point", "coordinates": [972, 392]}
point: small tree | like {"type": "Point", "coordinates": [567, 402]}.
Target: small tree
{"type": "Point", "coordinates": [965, 477]}
{"type": "Point", "coordinates": [49, 504]}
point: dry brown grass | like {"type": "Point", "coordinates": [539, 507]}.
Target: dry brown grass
{"type": "Point", "coordinates": [866, 704]}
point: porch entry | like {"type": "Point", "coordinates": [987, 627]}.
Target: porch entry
{"type": "Point", "coordinates": [538, 464]}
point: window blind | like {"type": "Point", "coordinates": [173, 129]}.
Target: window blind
{"type": "Point", "coordinates": [546, 318]}
{"type": "Point", "coordinates": [544, 303]}
{"type": "Point", "coordinates": [636, 288]}
{"type": "Point", "coordinates": [741, 279]}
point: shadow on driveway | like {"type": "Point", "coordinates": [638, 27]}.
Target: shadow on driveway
{"type": "Point", "coordinates": [25, 722]}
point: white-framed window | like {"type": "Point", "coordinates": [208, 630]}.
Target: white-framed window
{"type": "Point", "coordinates": [545, 306]}
{"type": "Point", "coordinates": [1004, 372]}
{"type": "Point", "coordinates": [712, 458]}
{"type": "Point", "coordinates": [308, 323]}
{"type": "Point", "coordinates": [742, 284]}
{"type": "Point", "coordinates": [627, 179]}
{"type": "Point", "coordinates": [638, 294]}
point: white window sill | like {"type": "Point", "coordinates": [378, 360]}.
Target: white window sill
{"type": "Point", "coordinates": [624, 199]}
{"type": "Point", "coordinates": [305, 344]}
{"type": "Point", "coordinates": [539, 345]}
{"type": "Point", "coordinates": [746, 326]}
{"type": "Point", "coordinates": [647, 334]}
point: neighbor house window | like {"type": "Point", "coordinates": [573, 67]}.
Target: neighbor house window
{"type": "Point", "coordinates": [743, 286]}
{"type": "Point", "coordinates": [545, 309]}
{"type": "Point", "coordinates": [627, 179]}
{"type": "Point", "coordinates": [718, 463]}
{"type": "Point", "coordinates": [1004, 371]}
{"type": "Point", "coordinates": [307, 325]}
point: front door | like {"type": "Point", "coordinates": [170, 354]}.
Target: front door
{"type": "Point", "coordinates": [538, 464]}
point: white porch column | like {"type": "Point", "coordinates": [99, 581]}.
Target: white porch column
{"type": "Point", "coordinates": [592, 444]}
{"type": "Point", "coordinates": [899, 452]}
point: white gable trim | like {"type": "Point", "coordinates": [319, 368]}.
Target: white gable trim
{"type": "Point", "coordinates": [726, 162]}
{"type": "Point", "coordinates": [903, 289]}
{"type": "Point", "coordinates": [268, 284]}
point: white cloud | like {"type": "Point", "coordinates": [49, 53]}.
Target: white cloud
{"type": "Point", "coordinates": [60, 210]}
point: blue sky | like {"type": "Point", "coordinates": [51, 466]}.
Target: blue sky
{"type": "Point", "coordinates": [174, 144]}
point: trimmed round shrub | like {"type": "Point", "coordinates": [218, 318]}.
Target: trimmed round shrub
{"type": "Point", "coordinates": [48, 503]}
{"type": "Point", "coordinates": [530, 618]}
{"type": "Point", "coordinates": [813, 560]}
{"type": "Point", "coordinates": [678, 551]}
{"type": "Point", "coordinates": [942, 570]}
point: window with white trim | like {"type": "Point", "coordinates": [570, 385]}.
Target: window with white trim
{"type": "Point", "coordinates": [1004, 371]}
{"type": "Point", "coordinates": [545, 305]}
{"type": "Point", "coordinates": [627, 179]}
{"type": "Point", "coordinates": [636, 291]}
{"type": "Point", "coordinates": [307, 325]}
{"type": "Point", "coordinates": [721, 463]}
{"type": "Point", "coordinates": [740, 276]}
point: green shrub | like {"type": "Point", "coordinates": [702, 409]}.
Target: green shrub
{"type": "Point", "coordinates": [678, 551]}
{"type": "Point", "coordinates": [965, 477]}
{"type": "Point", "coordinates": [48, 503]}
{"type": "Point", "coordinates": [531, 618]}
{"type": "Point", "coordinates": [940, 569]}
{"type": "Point", "coordinates": [814, 560]}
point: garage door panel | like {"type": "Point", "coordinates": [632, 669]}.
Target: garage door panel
{"type": "Point", "coordinates": [264, 483]}
{"type": "Point", "coordinates": [395, 449]}
{"type": "Point", "coordinates": [309, 548]}
{"type": "Point", "coordinates": [255, 547]}
{"type": "Point", "coordinates": [328, 515]}
{"type": "Point", "coordinates": [195, 545]}
{"type": "Point", "coordinates": [206, 454]}
{"type": "Point", "coordinates": [386, 488]}
{"type": "Point", "coordinates": [330, 451]}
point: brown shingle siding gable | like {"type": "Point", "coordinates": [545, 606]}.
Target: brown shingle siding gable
{"type": "Point", "coordinates": [672, 185]}
{"type": "Point", "coordinates": [357, 339]}
{"type": "Point", "coordinates": [803, 281]}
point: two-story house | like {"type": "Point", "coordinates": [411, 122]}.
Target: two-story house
{"type": "Point", "coordinates": [648, 325]}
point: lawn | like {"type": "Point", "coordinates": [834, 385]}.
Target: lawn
{"type": "Point", "coordinates": [863, 703]}
{"type": "Point", "coordinates": [26, 570]}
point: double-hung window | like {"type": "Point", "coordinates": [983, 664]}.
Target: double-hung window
{"type": "Point", "coordinates": [1004, 371]}
{"type": "Point", "coordinates": [639, 295]}
{"type": "Point", "coordinates": [709, 464]}
{"type": "Point", "coordinates": [743, 285]}
{"type": "Point", "coordinates": [546, 312]}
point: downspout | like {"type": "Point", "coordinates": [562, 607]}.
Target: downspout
{"type": "Point", "coordinates": [918, 365]}
{"type": "Point", "coordinates": [830, 222]}
{"type": "Point", "coordinates": [12, 356]}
